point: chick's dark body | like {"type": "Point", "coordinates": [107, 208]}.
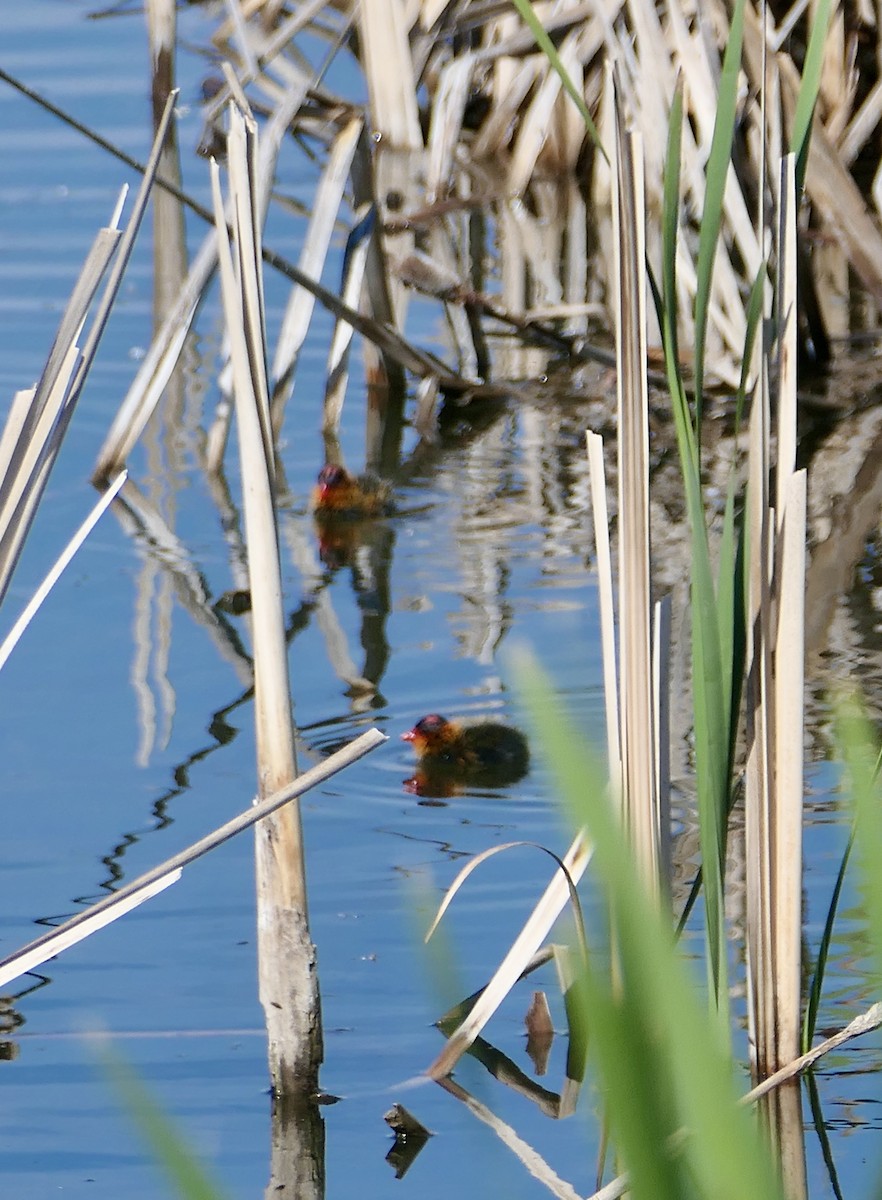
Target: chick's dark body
{"type": "Point", "coordinates": [479, 753]}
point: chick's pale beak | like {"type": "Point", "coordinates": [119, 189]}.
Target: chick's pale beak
{"type": "Point", "coordinates": [410, 736]}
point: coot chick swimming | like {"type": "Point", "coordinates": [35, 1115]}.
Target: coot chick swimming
{"type": "Point", "coordinates": [480, 753]}
{"type": "Point", "coordinates": [339, 496]}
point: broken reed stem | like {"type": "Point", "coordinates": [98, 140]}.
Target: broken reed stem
{"type": "Point", "coordinates": [33, 605]}
{"type": "Point", "coordinates": [39, 419]}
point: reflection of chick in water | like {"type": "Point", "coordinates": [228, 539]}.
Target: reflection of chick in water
{"type": "Point", "coordinates": [341, 504]}
{"type": "Point", "coordinates": [452, 755]}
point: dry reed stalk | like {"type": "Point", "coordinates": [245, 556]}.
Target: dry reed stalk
{"type": "Point", "coordinates": [98, 915]}
{"type": "Point", "coordinates": [383, 27]}
{"type": "Point", "coordinates": [861, 127]}
{"type": "Point", "coordinates": [445, 129]}
{"type": "Point", "coordinates": [603, 563]}
{"type": "Point", "coordinates": [649, 54]}
{"type": "Point", "coordinates": [533, 134]}
{"type": "Point", "coordinates": [226, 29]}
{"type": "Point", "coordinates": [514, 361]}
{"type": "Point", "coordinates": [867, 1022]}
{"type": "Point", "coordinates": [161, 38]}
{"type": "Point", "coordinates": [575, 212]}
{"type": "Point", "coordinates": [337, 372]}
{"type": "Point", "coordinates": [242, 37]}
{"type": "Point", "coordinates": [789, 652]}
{"type": "Point", "coordinates": [73, 932]}
{"type": "Point", "coordinates": [637, 720]}
{"type": "Point", "coordinates": [298, 312]}
{"type": "Point", "coordinates": [379, 366]}
{"type": "Point", "coordinates": [29, 449]}
{"type": "Point", "coordinates": [260, 63]}
{"type": "Point", "coordinates": [758, 772]}
{"type": "Point", "coordinates": [495, 133]}
{"type": "Point", "coordinates": [829, 185]}
{"type": "Point", "coordinates": [463, 319]}
{"type": "Point", "coordinates": [389, 72]}
{"type": "Point", "coordinates": [431, 12]}
{"type": "Point", "coordinates": [286, 956]}
{"type": "Point", "coordinates": [169, 233]}
{"type": "Point", "coordinates": [39, 418]}
{"type": "Point", "coordinates": [156, 367]}
{"type": "Point", "coordinates": [776, 648]}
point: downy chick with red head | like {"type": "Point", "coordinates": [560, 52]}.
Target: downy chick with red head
{"type": "Point", "coordinates": [337, 495]}
{"type": "Point", "coordinates": [480, 753]}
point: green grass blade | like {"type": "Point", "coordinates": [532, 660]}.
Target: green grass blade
{"type": "Point", "coordinates": [710, 703]}
{"type": "Point", "coordinates": [860, 755]}
{"type": "Point", "coordinates": [633, 1081]}
{"type": "Point", "coordinates": [546, 45]}
{"type": "Point", "coordinates": [817, 981]}
{"type": "Point", "coordinates": [821, 1130]}
{"type": "Point", "coordinates": [754, 317]}
{"type": "Point", "coordinates": [717, 170]}
{"type": "Point", "coordinates": [710, 692]}
{"type": "Point", "coordinates": [810, 83]}
{"type": "Point", "coordinates": [712, 681]}
{"type": "Point", "coordinates": [810, 1017]}
{"type": "Point", "coordinates": [668, 315]}
{"type": "Point", "coordinates": [169, 1150]}
{"type": "Point", "coordinates": [730, 612]}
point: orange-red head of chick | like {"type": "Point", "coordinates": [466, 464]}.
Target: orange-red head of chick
{"type": "Point", "coordinates": [339, 494]}
{"type": "Point", "coordinates": [434, 737]}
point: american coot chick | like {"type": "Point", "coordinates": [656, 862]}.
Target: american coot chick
{"type": "Point", "coordinates": [338, 495]}
{"type": "Point", "coordinates": [481, 753]}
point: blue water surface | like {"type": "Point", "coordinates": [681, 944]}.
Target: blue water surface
{"type": "Point", "coordinates": [128, 734]}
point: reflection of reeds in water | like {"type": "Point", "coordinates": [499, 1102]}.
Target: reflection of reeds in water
{"type": "Point", "coordinates": [165, 436]}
